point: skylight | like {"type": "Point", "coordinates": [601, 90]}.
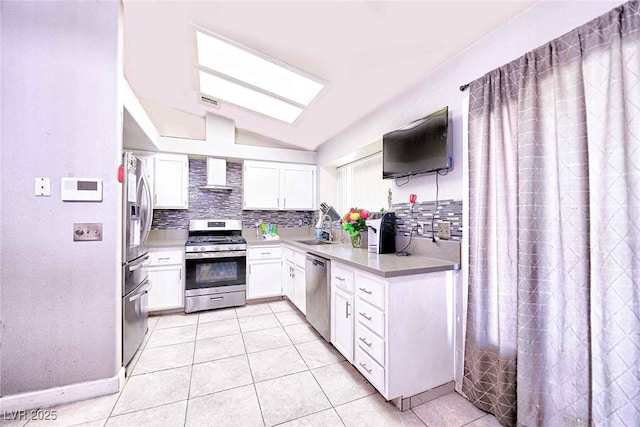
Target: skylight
{"type": "Point", "coordinates": [248, 98]}
{"type": "Point", "coordinates": [255, 74]}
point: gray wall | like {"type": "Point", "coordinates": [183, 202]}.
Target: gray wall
{"type": "Point", "coordinates": [60, 118]}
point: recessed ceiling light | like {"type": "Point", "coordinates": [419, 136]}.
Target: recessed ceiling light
{"type": "Point", "coordinates": [248, 98]}
{"type": "Point", "coordinates": [241, 64]}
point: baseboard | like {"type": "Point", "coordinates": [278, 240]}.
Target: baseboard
{"type": "Point", "coordinates": [61, 395]}
{"type": "Point", "coordinates": [406, 403]}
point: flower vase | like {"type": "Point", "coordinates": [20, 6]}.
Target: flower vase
{"type": "Point", "coordinates": [356, 241]}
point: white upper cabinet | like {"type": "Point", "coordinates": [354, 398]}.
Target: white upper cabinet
{"type": "Point", "coordinates": [171, 181]}
{"type": "Point", "coordinates": [298, 186]}
{"type": "Point", "coordinates": [278, 186]}
{"type": "Point", "coordinates": [261, 185]}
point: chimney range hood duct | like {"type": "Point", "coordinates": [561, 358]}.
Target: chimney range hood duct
{"type": "Point", "coordinates": [216, 175]}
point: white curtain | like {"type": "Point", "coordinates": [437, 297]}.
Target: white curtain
{"type": "Point", "coordinates": [360, 184]}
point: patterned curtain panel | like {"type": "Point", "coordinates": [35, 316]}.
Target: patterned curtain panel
{"type": "Point", "coordinates": [553, 333]}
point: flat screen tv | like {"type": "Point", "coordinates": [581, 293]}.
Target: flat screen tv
{"type": "Point", "coordinates": [417, 148]}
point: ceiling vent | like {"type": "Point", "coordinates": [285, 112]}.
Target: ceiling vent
{"type": "Point", "coordinates": [209, 102]}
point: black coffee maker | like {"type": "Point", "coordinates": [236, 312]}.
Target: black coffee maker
{"type": "Point", "coordinates": [382, 232]}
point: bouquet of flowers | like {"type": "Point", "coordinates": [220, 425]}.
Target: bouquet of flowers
{"type": "Point", "coordinates": [354, 221]}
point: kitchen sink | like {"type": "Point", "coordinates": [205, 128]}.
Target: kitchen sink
{"type": "Point", "coordinates": [314, 242]}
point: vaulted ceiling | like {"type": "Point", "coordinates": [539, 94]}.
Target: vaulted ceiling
{"type": "Point", "coordinates": [367, 51]}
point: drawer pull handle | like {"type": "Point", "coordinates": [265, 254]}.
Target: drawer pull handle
{"type": "Point", "coordinates": [265, 253]}
{"type": "Point", "coordinates": [365, 367]}
{"type": "Point", "coordinates": [365, 316]}
{"type": "Point", "coordinates": [216, 298]}
{"type": "Point", "coordinates": [365, 341]}
{"type": "Point", "coordinates": [366, 291]}
{"type": "Point", "coordinates": [164, 257]}
{"type": "Point", "coordinates": [340, 278]}
{"type": "Point", "coordinates": [346, 306]}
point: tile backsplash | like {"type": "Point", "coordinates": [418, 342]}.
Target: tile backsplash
{"type": "Point", "coordinates": [447, 210]}
{"type": "Point", "coordinates": [223, 205]}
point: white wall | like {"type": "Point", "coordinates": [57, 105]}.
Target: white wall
{"type": "Point", "coordinates": [60, 118]}
{"type": "Point", "coordinates": [541, 23]}
{"type": "Point", "coordinates": [538, 25]}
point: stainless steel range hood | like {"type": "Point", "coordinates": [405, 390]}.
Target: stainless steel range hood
{"type": "Point", "coordinates": [216, 175]}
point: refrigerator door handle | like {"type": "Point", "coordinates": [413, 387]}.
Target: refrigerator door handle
{"type": "Point", "coordinates": [149, 218]}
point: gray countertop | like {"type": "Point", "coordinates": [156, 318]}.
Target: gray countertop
{"type": "Point", "coordinates": [385, 265]}
{"type": "Point", "coordinates": [167, 238]}
{"type": "Point", "coordinates": [155, 244]}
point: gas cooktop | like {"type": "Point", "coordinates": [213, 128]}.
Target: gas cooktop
{"type": "Point", "coordinates": [214, 240]}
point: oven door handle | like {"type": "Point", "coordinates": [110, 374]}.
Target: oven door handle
{"type": "Point", "coordinates": [221, 254]}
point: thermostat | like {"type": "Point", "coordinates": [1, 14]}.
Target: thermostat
{"type": "Point", "coordinates": [81, 190]}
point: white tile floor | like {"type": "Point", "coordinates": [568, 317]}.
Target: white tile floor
{"type": "Point", "coordinates": [259, 365]}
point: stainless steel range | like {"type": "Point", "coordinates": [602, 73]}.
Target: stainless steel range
{"type": "Point", "coordinates": [216, 265]}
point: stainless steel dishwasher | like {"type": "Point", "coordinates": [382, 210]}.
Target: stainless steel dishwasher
{"type": "Point", "coordinates": [317, 271]}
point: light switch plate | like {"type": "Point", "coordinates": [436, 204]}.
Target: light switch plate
{"type": "Point", "coordinates": [87, 231]}
{"type": "Point", "coordinates": [444, 230]}
{"type": "Point", "coordinates": [43, 187]}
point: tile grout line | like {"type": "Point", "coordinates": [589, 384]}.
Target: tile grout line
{"type": "Point", "coordinates": [139, 410]}
{"type": "Point", "coordinates": [253, 382]}
{"type": "Point", "coordinates": [474, 420]}
{"type": "Point", "coordinates": [193, 358]}
{"type": "Point", "coordinates": [316, 380]}
{"type": "Point", "coordinates": [143, 347]}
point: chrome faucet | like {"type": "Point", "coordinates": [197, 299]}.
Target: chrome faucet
{"type": "Point", "coordinates": [322, 219]}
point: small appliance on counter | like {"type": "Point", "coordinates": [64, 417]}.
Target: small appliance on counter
{"type": "Point", "coordinates": [382, 232]}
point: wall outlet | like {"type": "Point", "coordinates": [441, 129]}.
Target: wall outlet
{"type": "Point", "coordinates": [444, 230]}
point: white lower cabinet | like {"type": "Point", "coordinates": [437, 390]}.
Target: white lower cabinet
{"type": "Point", "coordinates": [399, 335]}
{"type": "Point", "coordinates": [288, 280]}
{"type": "Point", "coordinates": [295, 286]}
{"type": "Point", "coordinates": [342, 322]}
{"type": "Point", "coordinates": [300, 289]}
{"type": "Point", "coordinates": [264, 275]}
{"type": "Point", "coordinates": [166, 275]}
{"type": "Point", "coordinates": [264, 279]}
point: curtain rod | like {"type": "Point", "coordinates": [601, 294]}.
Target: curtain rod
{"type": "Point", "coordinates": [464, 87]}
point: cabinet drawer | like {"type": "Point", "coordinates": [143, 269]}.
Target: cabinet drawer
{"type": "Point", "coordinates": [165, 258]}
{"type": "Point", "coordinates": [342, 278]}
{"type": "Point", "coordinates": [265, 252]}
{"type": "Point", "coordinates": [370, 342]}
{"type": "Point", "coordinates": [370, 291]}
{"type": "Point", "coordinates": [370, 316]}
{"type": "Point", "coordinates": [373, 372]}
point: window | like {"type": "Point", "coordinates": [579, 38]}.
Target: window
{"type": "Point", "coordinates": [360, 184]}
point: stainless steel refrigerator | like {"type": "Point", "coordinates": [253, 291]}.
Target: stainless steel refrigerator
{"type": "Point", "coordinates": [137, 218]}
